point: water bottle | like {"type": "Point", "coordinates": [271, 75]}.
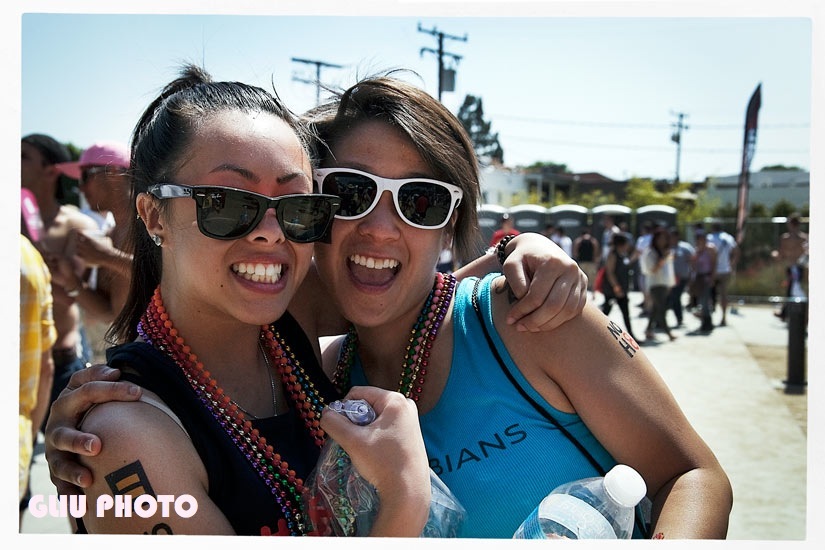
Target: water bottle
{"type": "Point", "coordinates": [591, 508]}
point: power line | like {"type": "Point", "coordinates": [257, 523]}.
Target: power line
{"type": "Point", "coordinates": [695, 150]}
{"type": "Point", "coordinates": [317, 81]}
{"type": "Point", "coordinates": [642, 126]}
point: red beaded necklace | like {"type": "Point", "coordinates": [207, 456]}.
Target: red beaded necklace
{"type": "Point", "coordinates": [286, 488]}
{"type": "Point", "coordinates": [417, 353]}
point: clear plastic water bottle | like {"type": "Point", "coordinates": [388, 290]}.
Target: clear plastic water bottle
{"type": "Point", "coordinates": [591, 508]}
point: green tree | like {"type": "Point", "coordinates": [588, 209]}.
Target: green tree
{"type": "Point", "coordinates": [485, 142]}
{"type": "Point", "coordinates": [641, 192]}
{"type": "Point", "coordinates": [591, 199]}
{"type": "Point", "coordinates": [783, 208]}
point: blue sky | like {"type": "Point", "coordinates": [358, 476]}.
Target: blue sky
{"type": "Point", "coordinates": [596, 93]}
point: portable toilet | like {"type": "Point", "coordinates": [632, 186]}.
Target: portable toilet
{"type": "Point", "coordinates": [572, 217]}
{"type": "Point", "coordinates": [659, 214]}
{"type": "Point", "coordinates": [489, 219]}
{"type": "Point", "coordinates": [529, 218]}
{"type": "Point", "coordinates": [619, 212]}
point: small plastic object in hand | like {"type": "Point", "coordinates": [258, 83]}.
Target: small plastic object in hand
{"type": "Point", "coordinates": [357, 410]}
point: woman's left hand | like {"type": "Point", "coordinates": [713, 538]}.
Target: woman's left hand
{"type": "Point", "coordinates": [548, 288]}
{"type": "Point", "coordinates": [389, 453]}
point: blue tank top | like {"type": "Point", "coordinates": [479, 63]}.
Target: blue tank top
{"type": "Point", "coordinates": [495, 451]}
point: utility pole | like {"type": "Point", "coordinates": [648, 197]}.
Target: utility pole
{"type": "Point", "coordinates": [317, 81]}
{"type": "Point", "coordinates": [441, 53]}
{"type": "Point", "coordinates": [676, 137]}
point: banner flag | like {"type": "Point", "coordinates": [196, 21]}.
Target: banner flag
{"type": "Point", "coordinates": [748, 149]}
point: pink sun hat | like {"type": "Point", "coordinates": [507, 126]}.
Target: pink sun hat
{"type": "Point", "coordinates": [103, 153]}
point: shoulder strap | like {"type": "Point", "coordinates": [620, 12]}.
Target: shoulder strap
{"type": "Point", "coordinates": [541, 410]}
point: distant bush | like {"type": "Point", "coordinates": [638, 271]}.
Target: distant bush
{"type": "Point", "coordinates": [761, 278]}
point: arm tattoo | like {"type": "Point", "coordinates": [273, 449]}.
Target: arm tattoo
{"type": "Point", "coordinates": [130, 480]}
{"type": "Point", "coordinates": [624, 339]}
{"type": "Point", "coordinates": [160, 529]}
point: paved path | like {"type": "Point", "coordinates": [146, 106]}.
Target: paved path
{"type": "Point", "coordinates": [736, 408]}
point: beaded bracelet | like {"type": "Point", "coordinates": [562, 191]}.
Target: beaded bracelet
{"type": "Point", "coordinates": [500, 248]}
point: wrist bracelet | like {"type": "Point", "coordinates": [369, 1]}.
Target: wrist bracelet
{"type": "Point", "coordinates": [501, 246]}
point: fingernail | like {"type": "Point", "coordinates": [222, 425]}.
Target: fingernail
{"type": "Point", "coordinates": [88, 446]}
{"type": "Point", "coordinates": [134, 390]}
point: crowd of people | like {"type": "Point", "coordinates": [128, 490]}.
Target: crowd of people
{"type": "Point", "coordinates": [671, 274]}
{"type": "Point", "coordinates": [668, 270]}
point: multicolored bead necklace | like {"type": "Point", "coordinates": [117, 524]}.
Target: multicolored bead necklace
{"type": "Point", "coordinates": [422, 336]}
{"type": "Point", "coordinates": [287, 489]}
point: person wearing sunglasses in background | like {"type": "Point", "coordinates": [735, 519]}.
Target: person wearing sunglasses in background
{"type": "Point", "coordinates": [507, 415]}
{"type": "Point", "coordinates": [40, 156]}
{"type": "Point", "coordinates": [231, 406]}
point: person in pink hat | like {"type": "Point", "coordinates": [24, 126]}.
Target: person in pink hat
{"type": "Point", "coordinates": [40, 183]}
{"type": "Point", "coordinates": [103, 175]}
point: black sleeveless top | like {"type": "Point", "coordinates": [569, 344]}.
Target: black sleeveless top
{"type": "Point", "coordinates": [586, 250]}
{"type": "Point", "coordinates": [234, 486]}
{"type": "Point", "coordinates": [622, 272]}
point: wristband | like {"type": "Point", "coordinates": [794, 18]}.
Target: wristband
{"type": "Point", "coordinates": [500, 248]}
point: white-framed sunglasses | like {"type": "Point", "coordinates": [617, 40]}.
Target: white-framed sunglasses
{"type": "Point", "coordinates": [422, 203]}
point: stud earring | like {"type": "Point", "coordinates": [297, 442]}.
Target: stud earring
{"type": "Point", "coordinates": [157, 239]}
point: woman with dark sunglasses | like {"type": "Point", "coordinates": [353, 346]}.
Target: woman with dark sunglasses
{"type": "Point", "coordinates": [507, 415]}
{"type": "Point", "coordinates": [230, 411]}
{"type": "Point", "coordinates": [229, 422]}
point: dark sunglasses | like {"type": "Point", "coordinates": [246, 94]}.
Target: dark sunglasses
{"type": "Point", "coordinates": [226, 213]}
{"type": "Point", "coordinates": [421, 202]}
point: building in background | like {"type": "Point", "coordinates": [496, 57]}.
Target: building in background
{"type": "Point", "coordinates": [767, 187]}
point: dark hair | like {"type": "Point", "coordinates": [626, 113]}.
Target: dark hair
{"type": "Point", "coordinates": [159, 144]}
{"type": "Point", "coordinates": [658, 231]}
{"type": "Point", "coordinates": [52, 150]}
{"type": "Point", "coordinates": [436, 133]}
{"type": "Point", "coordinates": [618, 240]}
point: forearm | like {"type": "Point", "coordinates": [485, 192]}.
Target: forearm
{"type": "Point", "coordinates": [528, 242]}
{"type": "Point", "coordinates": [402, 513]}
{"type": "Point", "coordinates": [481, 266]}
{"type": "Point", "coordinates": [695, 505]}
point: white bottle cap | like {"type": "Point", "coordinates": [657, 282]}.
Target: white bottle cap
{"type": "Point", "coordinates": [625, 485]}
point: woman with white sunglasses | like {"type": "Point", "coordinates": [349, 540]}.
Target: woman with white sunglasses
{"type": "Point", "coordinates": [507, 415]}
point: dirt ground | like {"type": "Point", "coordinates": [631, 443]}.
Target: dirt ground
{"type": "Point", "coordinates": [773, 360]}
